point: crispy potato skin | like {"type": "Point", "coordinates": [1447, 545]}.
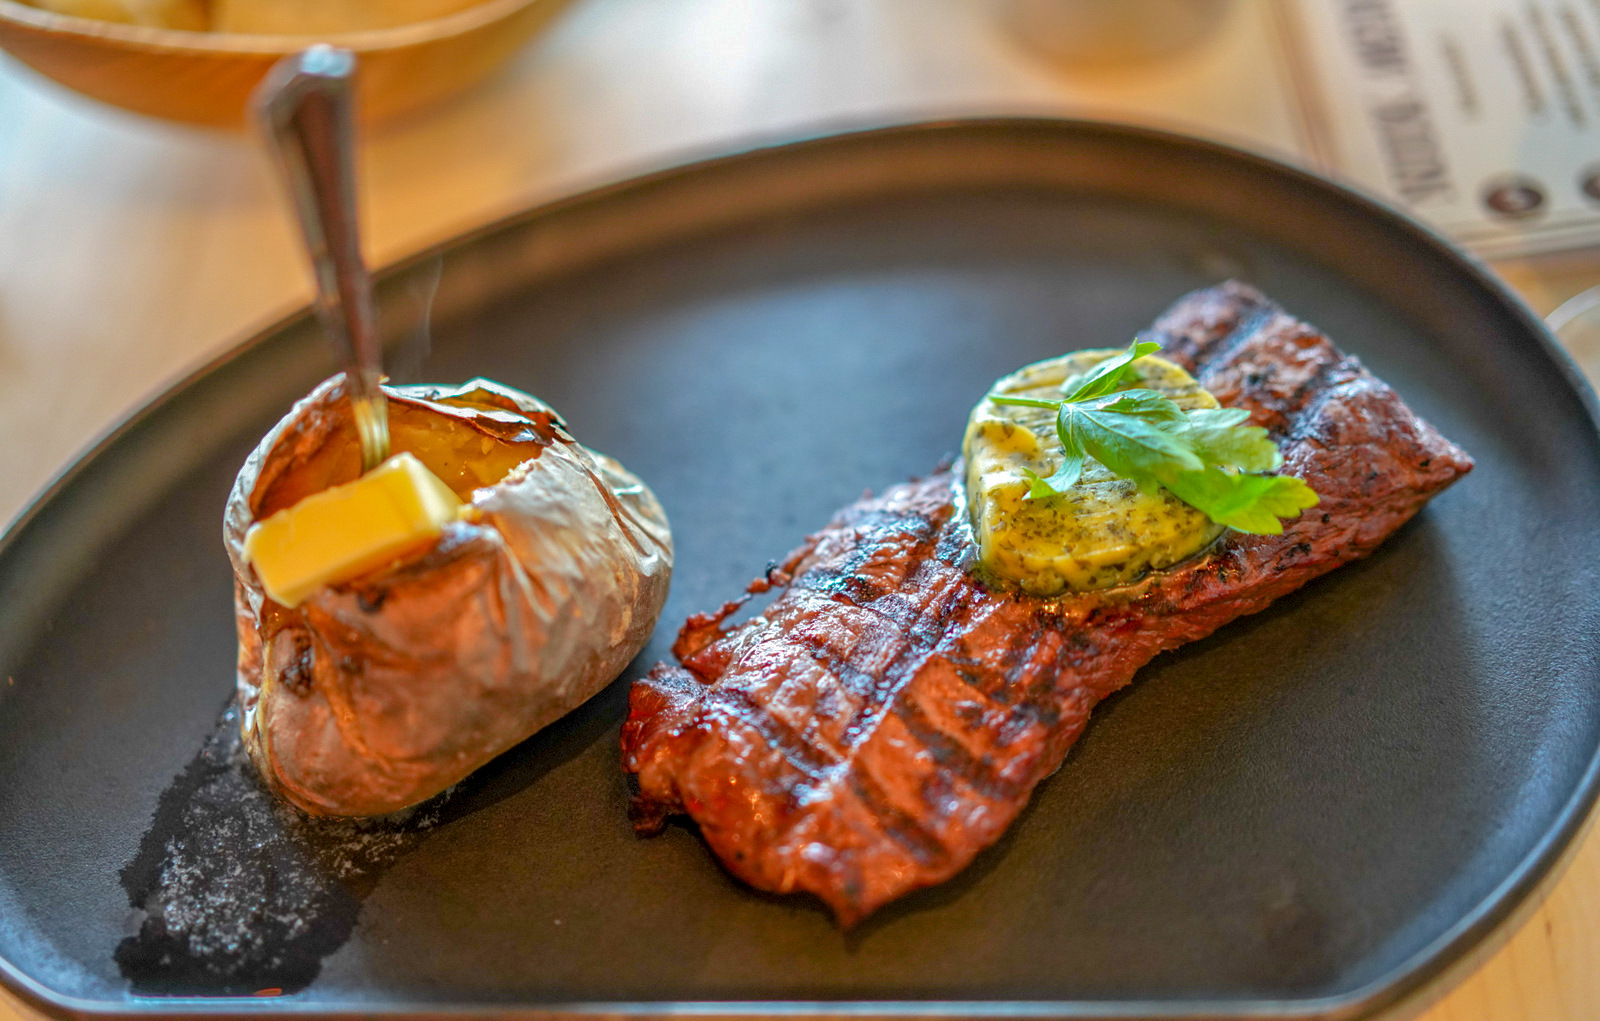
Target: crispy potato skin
{"type": "Point", "coordinates": [378, 693]}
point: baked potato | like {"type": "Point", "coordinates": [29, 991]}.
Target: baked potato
{"type": "Point", "coordinates": [375, 693]}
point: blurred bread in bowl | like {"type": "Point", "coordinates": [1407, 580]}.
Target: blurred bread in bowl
{"type": "Point", "coordinates": [185, 14]}
{"type": "Point", "coordinates": [155, 57]}
{"type": "Point", "coordinates": [260, 17]}
{"type": "Point", "coordinates": [325, 17]}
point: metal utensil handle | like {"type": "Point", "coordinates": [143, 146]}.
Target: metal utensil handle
{"type": "Point", "coordinates": [305, 107]}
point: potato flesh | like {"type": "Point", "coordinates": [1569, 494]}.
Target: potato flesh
{"type": "Point", "coordinates": [463, 456]}
{"type": "Point", "coordinates": [1101, 533]}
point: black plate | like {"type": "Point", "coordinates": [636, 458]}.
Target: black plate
{"type": "Point", "coordinates": [1309, 812]}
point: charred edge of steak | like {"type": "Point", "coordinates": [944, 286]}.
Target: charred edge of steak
{"type": "Point", "coordinates": [887, 716]}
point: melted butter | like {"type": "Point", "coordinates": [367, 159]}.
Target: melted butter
{"type": "Point", "coordinates": [464, 459]}
{"type": "Point", "coordinates": [1102, 532]}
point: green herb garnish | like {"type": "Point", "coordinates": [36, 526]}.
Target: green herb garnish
{"type": "Point", "coordinates": [1208, 458]}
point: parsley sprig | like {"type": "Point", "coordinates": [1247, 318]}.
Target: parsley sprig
{"type": "Point", "coordinates": [1208, 458]}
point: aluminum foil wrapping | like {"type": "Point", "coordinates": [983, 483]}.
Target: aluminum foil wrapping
{"type": "Point", "coordinates": [376, 694]}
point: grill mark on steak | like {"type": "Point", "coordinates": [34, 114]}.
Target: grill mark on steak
{"type": "Point", "coordinates": [888, 716]}
{"type": "Point", "coordinates": [1250, 325]}
{"type": "Point", "coordinates": [972, 772]}
{"type": "Point", "coordinates": [800, 754]}
{"type": "Point", "coordinates": [858, 680]}
{"type": "Point", "coordinates": [1200, 321]}
{"type": "Point", "coordinates": [900, 826]}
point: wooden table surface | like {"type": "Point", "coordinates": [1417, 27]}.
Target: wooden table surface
{"type": "Point", "coordinates": [132, 251]}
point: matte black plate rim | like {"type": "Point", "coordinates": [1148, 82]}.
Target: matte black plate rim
{"type": "Point", "coordinates": [1427, 963]}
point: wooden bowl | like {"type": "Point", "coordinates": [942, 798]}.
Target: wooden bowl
{"type": "Point", "coordinates": [207, 77]}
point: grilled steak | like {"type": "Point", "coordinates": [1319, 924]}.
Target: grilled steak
{"type": "Point", "coordinates": [887, 716]}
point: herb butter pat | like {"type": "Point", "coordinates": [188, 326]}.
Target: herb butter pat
{"type": "Point", "coordinates": [1104, 530]}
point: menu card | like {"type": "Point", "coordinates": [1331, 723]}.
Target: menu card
{"type": "Point", "coordinates": [1482, 117]}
